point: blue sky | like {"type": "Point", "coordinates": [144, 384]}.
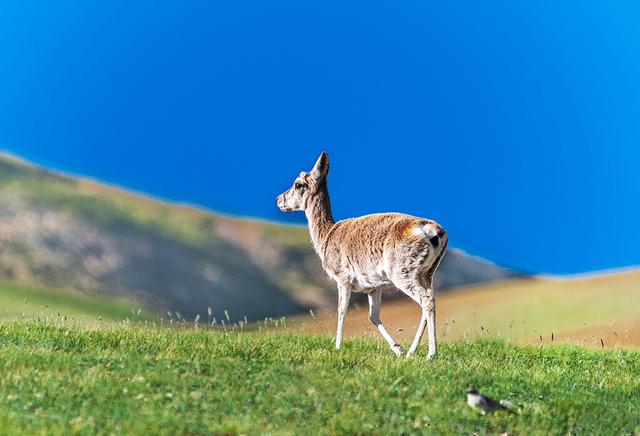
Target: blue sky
{"type": "Point", "coordinates": [514, 124]}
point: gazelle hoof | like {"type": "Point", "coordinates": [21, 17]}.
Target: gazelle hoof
{"type": "Point", "coordinates": [397, 350]}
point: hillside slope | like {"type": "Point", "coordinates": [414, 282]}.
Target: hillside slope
{"type": "Point", "coordinates": [600, 311]}
{"type": "Point", "coordinates": [64, 232]}
{"type": "Point", "coordinates": [18, 302]}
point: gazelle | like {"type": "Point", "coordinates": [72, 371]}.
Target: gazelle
{"type": "Point", "coordinates": [371, 252]}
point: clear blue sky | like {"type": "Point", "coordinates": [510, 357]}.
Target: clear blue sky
{"type": "Point", "coordinates": [514, 124]}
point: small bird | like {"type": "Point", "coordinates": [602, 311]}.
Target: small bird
{"type": "Point", "coordinates": [484, 404]}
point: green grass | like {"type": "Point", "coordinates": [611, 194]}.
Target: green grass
{"type": "Point", "coordinates": [27, 302]}
{"type": "Point", "coordinates": [62, 379]}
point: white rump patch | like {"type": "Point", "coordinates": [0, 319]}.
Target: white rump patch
{"type": "Point", "coordinates": [425, 229]}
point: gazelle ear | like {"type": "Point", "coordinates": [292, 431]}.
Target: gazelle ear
{"type": "Point", "coordinates": [321, 168]}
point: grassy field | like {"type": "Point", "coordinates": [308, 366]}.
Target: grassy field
{"type": "Point", "coordinates": [62, 379]}
{"type": "Point", "coordinates": [31, 303]}
{"type": "Point", "coordinates": [581, 311]}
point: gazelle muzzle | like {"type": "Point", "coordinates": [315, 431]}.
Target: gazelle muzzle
{"type": "Point", "coordinates": [282, 203]}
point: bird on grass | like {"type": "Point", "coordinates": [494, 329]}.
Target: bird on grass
{"type": "Point", "coordinates": [484, 404]}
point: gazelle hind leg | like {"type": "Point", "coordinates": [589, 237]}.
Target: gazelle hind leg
{"type": "Point", "coordinates": [427, 283]}
{"type": "Point", "coordinates": [424, 296]}
{"type": "Point", "coordinates": [375, 298]}
{"type": "Point", "coordinates": [431, 324]}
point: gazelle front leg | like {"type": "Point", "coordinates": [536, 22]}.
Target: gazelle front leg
{"type": "Point", "coordinates": [374, 315]}
{"type": "Point", "coordinates": [343, 301]}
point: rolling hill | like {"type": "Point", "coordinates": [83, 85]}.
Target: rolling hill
{"type": "Point", "coordinates": [20, 302]}
{"type": "Point", "coordinates": [58, 231]}
{"type": "Point", "coordinates": [600, 310]}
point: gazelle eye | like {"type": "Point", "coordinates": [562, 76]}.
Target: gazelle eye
{"type": "Point", "coordinates": [299, 185]}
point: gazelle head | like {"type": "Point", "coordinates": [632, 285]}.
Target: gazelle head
{"type": "Point", "coordinates": [305, 186]}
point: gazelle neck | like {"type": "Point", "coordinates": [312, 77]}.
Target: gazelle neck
{"type": "Point", "coordinates": [320, 218]}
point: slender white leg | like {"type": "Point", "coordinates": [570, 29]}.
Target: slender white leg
{"type": "Point", "coordinates": [374, 315]}
{"type": "Point", "coordinates": [419, 333]}
{"type": "Point", "coordinates": [431, 324]}
{"type": "Point", "coordinates": [343, 301]}
{"type": "Point", "coordinates": [427, 301]}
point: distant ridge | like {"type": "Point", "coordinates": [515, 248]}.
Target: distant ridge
{"type": "Point", "coordinates": [594, 274]}
{"type": "Point", "coordinates": [62, 231]}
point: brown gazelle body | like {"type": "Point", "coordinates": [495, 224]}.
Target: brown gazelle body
{"type": "Point", "coordinates": [372, 252]}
